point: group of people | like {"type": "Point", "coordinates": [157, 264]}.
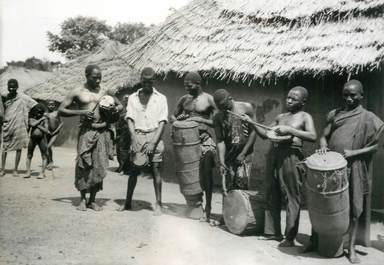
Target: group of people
{"type": "Point", "coordinates": [26, 123]}
{"type": "Point", "coordinates": [351, 130]}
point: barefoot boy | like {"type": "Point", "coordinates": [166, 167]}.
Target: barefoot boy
{"type": "Point", "coordinates": [38, 131]}
{"type": "Point", "coordinates": [283, 179]}
{"type": "Point", "coordinates": [54, 125]}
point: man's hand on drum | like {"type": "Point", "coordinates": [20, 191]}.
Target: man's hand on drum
{"type": "Point", "coordinates": [245, 118]}
{"type": "Point", "coordinates": [197, 119]}
{"type": "Point", "coordinates": [149, 148]}
{"type": "Point", "coordinates": [89, 115]}
{"type": "Point", "coordinates": [322, 151]}
{"type": "Point", "coordinates": [283, 130]}
{"type": "Point", "coordinates": [182, 117]}
{"type": "Point", "coordinates": [135, 147]}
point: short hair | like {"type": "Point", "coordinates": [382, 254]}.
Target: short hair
{"type": "Point", "coordinates": [38, 108]}
{"type": "Point", "coordinates": [303, 91]}
{"type": "Point", "coordinates": [220, 95]}
{"type": "Point", "coordinates": [355, 83]}
{"type": "Point", "coordinates": [13, 81]}
{"type": "Point", "coordinates": [90, 68]}
{"type": "Point", "coordinates": [193, 77]}
{"type": "Point", "coordinates": [147, 73]}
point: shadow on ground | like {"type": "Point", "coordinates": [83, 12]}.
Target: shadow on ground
{"type": "Point", "coordinates": [137, 205]}
{"type": "Point", "coordinates": [76, 200]}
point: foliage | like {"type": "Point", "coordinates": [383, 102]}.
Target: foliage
{"type": "Point", "coordinates": [33, 63]}
{"type": "Point", "coordinates": [127, 33]}
{"type": "Point", "coordinates": [78, 35]}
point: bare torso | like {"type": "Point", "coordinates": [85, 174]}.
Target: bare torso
{"type": "Point", "coordinates": [53, 120]}
{"type": "Point", "coordinates": [88, 100]}
{"type": "Point", "coordinates": [294, 120]}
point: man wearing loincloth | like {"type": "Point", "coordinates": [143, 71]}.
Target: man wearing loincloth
{"type": "Point", "coordinates": [199, 106]}
{"type": "Point", "coordinates": [94, 136]}
{"type": "Point", "coordinates": [147, 114]}
{"type": "Point", "coordinates": [283, 180]}
{"type": "Point", "coordinates": [354, 132]}
{"type": "Point", "coordinates": [235, 139]}
{"type": "Point", "coordinates": [15, 125]}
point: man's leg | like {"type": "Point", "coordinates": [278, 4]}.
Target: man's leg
{"type": "Point", "coordinates": [206, 164]}
{"type": "Point", "coordinates": [17, 161]}
{"type": "Point", "coordinates": [353, 258]}
{"type": "Point", "coordinates": [157, 184]}
{"type": "Point", "coordinates": [132, 180]}
{"type": "Point", "coordinates": [290, 180]}
{"type": "Point", "coordinates": [31, 148]}
{"type": "Point", "coordinates": [273, 219]}
{"type": "Point", "coordinates": [3, 160]}
{"type": "Point", "coordinates": [92, 199]}
{"type": "Point", "coordinates": [83, 201]}
{"type": "Point", "coordinates": [44, 157]}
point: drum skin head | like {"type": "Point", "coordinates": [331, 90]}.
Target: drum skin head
{"type": "Point", "coordinates": [235, 212]}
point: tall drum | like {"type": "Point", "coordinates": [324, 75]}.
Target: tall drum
{"type": "Point", "coordinates": [327, 195]}
{"type": "Point", "coordinates": [186, 144]}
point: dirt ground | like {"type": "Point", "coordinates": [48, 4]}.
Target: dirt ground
{"type": "Point", "coordinates": [39, 224]}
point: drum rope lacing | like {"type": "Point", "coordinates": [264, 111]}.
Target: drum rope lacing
{"type": "Point", "coordinates": [337, 174]}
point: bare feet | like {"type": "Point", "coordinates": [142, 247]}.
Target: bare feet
{"type": "Point", "coordinates": [41, 176]}
{"type": "Point", "coordinates": [271, 237]}
{"type": "Point", "coordinates": [353, 258]}
{"type": "Point", "coordinates": [2, 173]}
{"type": "Point", "coordinates": [28, 175]}
{"type": "Point", "coordinates": [286, 243]}
{"type": "Point", "coordinates": [214, 222]}
{"type": "Point", "coordinates": [125, 207]}
{"type": "Point", "coordinates": [15, 173]}
{"type": "Point", "coordinates": [157, 210]}
{"type": "Point", "coordinates": [50, 166]}
{"type": "Point", "coordinates": [94, 207]}
{"type": "Point", "coordinates": [82, 206]}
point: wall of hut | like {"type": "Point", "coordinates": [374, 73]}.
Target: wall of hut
{"type": "Point", "coordinates": [269, 99]}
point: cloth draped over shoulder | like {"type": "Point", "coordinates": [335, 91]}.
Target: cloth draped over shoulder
{"type": "Point", "coordinates": [15, 125]}
{"type": "Point", "coordinates": [354, 130]}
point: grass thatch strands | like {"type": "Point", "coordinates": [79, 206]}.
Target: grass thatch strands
{"type": "Point", "coordinates": [310, 37]}
{"type": "Point", "coordinates": [115, 73]}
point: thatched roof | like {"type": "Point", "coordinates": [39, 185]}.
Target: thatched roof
{"type": "Point", "coordinates": [25, 77]}
{"type": "Point", "coordinates": [115, 73]}
{"type": "Point", "coordinates": [264, 39]}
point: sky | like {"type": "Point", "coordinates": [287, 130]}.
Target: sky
{"type": "Point", "coordinates": [24, 23]}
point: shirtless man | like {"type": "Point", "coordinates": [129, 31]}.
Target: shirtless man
{"type": "Point", "coordinates": [92, 148]}
{"type": "Point", "coordinates": [284, 178]}
{"type": "Point", "coordinates": [199, 106]}
{"type": "Point", "coordinates": [54, 125]}
{"type": "Point", "coordinates": [235, 139]}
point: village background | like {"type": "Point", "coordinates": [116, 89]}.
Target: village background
{"type": "Point", "coordinates": [257, 50]}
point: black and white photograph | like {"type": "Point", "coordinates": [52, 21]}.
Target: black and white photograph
{"type": "Point", "coordinates": [184, 132]}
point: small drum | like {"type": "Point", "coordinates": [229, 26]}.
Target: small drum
{"type": "Point", "coordinates": [243, 212]}
{"type": "Point", "coordinates": [327, 194]}
{"type": "Point", "coordinates": [108, 110]}
{"type": "Point", "coordinates": [272, 135]}
{"type": "Point", "coordinates": [140, 159]}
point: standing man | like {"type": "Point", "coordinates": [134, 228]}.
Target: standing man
{"type": "Point", "coordinates": [283, 179]}
{"type": "Point", "coordinates": [123, 139]}
{"type": "Point", "coordinates": [147, 113]}
{"type": "Point", "coordinates": [199, 106]}
{"type": "Point", "coordinates": [354, 132]}
{"type": "Point", "coordinates": [235, 139]}
{"type": "Point", "coordinates": [15, 125]}
{"type": "Point", "coordinates": [92, 146]}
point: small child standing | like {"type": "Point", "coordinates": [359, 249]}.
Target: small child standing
{"type": "Point", "coordinates": [38, 131]}
{"type": "Point", "coordinates": [54, 126]}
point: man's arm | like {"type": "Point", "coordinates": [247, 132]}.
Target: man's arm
{"type": "Point", "coordinates": [177, 113]}
{"type": "Point", "coordinates": [308, 133]}
{"type": "Point", "coordinates": [64, 106]}
{"type": "Point", "coordinates": [44, 127]}
{"type": "Point", "coordinates": [33, 122]}
{"type": "Point", "coordinates": [252, 136]}
{"type": "Point", "coordinates": [58, 128]}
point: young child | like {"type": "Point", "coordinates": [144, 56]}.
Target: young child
{"type": "Point", "coordinates": [54, 126]}
{"type": "Point", "coordinates": [38, 131]}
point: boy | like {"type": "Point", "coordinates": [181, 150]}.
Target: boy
{"type": "Point", "coordinates": [38, 131]}
{"type": "Point", "coordinates": [54, 126]}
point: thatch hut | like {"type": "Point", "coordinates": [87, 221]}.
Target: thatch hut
{"type": "Point", "coordinates": [259, 49]}
{"type": "Point", "coordinates": [26, 78]}
{"type": "Point", "coordinates": [116, 74]}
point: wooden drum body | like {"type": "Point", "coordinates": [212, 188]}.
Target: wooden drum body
{"type": "Point", "coordinates": [242, 212]}
{"type": "Point", "coordinates": [186, 144]}
{"type": "Point", "coordinates": [327, 196]}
